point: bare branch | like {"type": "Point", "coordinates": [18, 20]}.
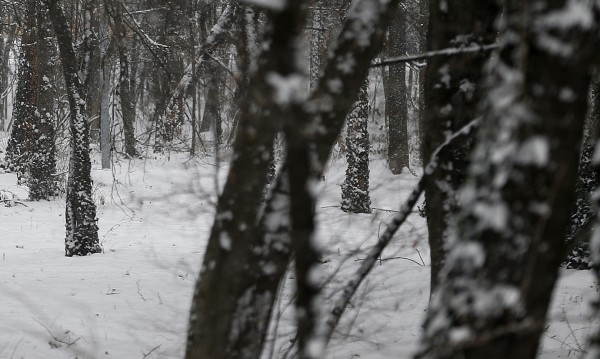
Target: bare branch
{"type": "Point", "coordinates": [452, 51]}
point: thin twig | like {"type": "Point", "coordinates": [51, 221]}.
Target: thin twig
{"type": "Point", "coordinates": [150, 352]}
{"type": "Point", "coordinates": [453, 51]}
{"type": "Point", "coordinates": [390, 258]}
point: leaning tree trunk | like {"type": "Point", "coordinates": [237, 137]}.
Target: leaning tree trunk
{"type": "Point", "coordinates": [355, 190]}
{"type": "Point", "coordinates": [82, 229]}
{"type": "Point", "coordinates": [451, 97]}
{"type": "Point", "coordinates": [509, 238]}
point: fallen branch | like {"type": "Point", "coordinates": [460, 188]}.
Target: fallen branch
{"type": "Point", "coordinates": [150, 352]}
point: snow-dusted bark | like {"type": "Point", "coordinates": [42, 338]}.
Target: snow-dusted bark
{"type": "Point", "coordinates": [224, 322]}
{"type": "Point", "coordinates": [311, 131]}
{"type": "Point", "coordinates": [355, 190]}
{"type": "Point", "coordinates": [508, 241]}
{"type": "Point", "coordinates": [31, 148]}
{"type": "Point", "coordinates": [81, 226]}
{"type": "Point", "coordinates": [451, 97]}
{"type": "Point", "coordinates": [229, 316]}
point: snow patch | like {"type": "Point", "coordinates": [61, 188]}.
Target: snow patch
{"type": "Point", "coordinates": [276, 5]}
{"type": "Point", "coordinates": [288, 89]}
{"type": "Point", "coordinates": [225, 241]}
{"type": "Point", "coordinates": [534, 151]}
{"type": "Point", "coordinates": [493, 215]}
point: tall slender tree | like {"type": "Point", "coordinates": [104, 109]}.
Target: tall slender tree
{"type": "Point", "coordinates": [126, 98]}
{"type": "Point", "coordinates": [396, 103]}
{"type": "Point", "coordinates": [82, 228]}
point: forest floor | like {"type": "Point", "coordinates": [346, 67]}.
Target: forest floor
{"type": "Point", "coordinates": [132, 301]}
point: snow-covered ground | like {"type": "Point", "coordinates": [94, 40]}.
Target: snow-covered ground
{"type": "Point", "coordinates": [132, 301]}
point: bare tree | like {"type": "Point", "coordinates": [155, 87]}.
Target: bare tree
{"type": "Point", "coordinates": [508, 242]}
{"type": "Point", "coordinates": [228, 317]}
{"type": "Point", "coordinates": [451, 97]}
{"type": "Point", "coordinates": [31, 148]}
{"type": "Point", "coordinates": [82, 229]}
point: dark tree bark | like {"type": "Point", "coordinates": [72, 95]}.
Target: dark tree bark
{"type": "Point", "coordinates": [19, 144]}
{"type": "Point", "coordinates": [396, 105]}
{"type": "Point", "coordinates": [451, 97]}
{"type": "Point", "coordinates": [126, 98]}
{"type": "Point", "coordinates": [218, 329]}
{"type": "Point", "coordinates": [509, 238]}
{"type": "Point", "coordinates": [8, 30]}
{"type": "Point", "coordinates": [92, 65]}
{"type": "Point", "coordinates": [81, 226]}
{"type": "Point", "coordinates": [258, 256]}
{"type": "Point", "coordinates": [213, 80]}
{"type": "Point", "coordinates": [31, 148]}
{"type": "Point", "coordinates": [355, 190]}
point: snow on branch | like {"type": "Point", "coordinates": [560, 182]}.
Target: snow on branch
{"type": "Point", "coordinates": [451, 51]}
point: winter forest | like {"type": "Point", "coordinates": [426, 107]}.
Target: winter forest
{"type": "Point", "coordinates": [278, 179]}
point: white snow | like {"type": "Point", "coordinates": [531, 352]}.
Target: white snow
{"type": "Point", "coordinates": [288, 89]}
{"type": "Point", "coordinates": [276, 5]}
{"type": "Point", "coordinates": [534, 151]}
{"type": "Point", "coordinates": [133, 300]}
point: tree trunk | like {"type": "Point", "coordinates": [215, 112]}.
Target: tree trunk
{"type": "Point", "coordinates": [451, 97]}
{"type": "Point", "coordinates": [125, 89]}
{"type": "Point", "coordinates": [509, 239]}
{"type": "Point", "coordinates": [230, 319]}
{"type": "Point", "coordinates": [82, 229]}
{"type": "Point", "coordinates": [31, 148]}
{"type": "Point", "coordinates": [355, 190]}
{"type": "Point", "coordinates": [212, 102]}
{"type": "Point", "coordinates": [396, 106]}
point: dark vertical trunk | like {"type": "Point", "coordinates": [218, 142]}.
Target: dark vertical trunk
{"type": "Point", "coordinates": [451, 97]}
{"type": "Point", "coordinates": [194, 120]}
{"type": "Point", "coordinates": [81, 226]}
{"type": "Point", "coordinates": [4, 43]}
{"type": "Point", "coordinates": [212, 102]}
{"type": "Point", "coordinates": [19, 146]}
{"type": "Point", "coordinates": [31, 148]}
{"type": "Point", "coordinates": [42, 183]}
{"type": "Point", "coordinates": [396, 94]}
{"type": "Point", "coordinates": [355, 190]}
{"type": "Point", "coordinates": [125, 88]}
{"type": "Point", "coordinates": [509, 239]}
{"type": "Point", "coordinates": [94, 67]}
